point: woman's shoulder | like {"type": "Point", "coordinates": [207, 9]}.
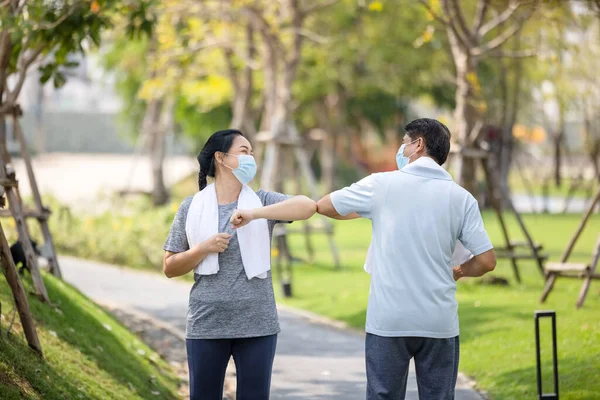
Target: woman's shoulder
{"type": "Point", "coordinates": [268, 197]}
{"type": "Point", "coordinates": [184, 206]}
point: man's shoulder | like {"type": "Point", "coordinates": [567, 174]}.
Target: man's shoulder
{"type": "Point", "coordinates": [462, 195]}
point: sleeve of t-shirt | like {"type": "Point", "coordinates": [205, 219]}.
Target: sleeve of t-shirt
{"type": "Point", "coordinates": [357, 198]}
{"type": "Point", "coordinates": [473, 235]}
{"type": "Point", "coordinates": [177, 240]}
{"type": "Point", "coordinates": [270, 198]}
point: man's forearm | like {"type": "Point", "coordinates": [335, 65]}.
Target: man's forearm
{"type": "Point", "coordinates": [478, 265]}
{"type": "Point", "coordinates": [345, 217]}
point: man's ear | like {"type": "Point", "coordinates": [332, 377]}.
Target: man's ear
{"type": "Point", "coordinates": [421, 145]}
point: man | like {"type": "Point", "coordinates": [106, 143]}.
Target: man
{"type": "Point", "coordinates": [418, 215]}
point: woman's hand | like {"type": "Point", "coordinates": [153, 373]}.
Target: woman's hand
{"type": "Point", "coordinates": [240, 218]}
{"type": "Point", "coordinates": [217, 243]}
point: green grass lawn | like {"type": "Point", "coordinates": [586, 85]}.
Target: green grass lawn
{"type": "Point", "coordinates": [88, 354]}
{"type": "Point", "coordinates": [518, 186]}
{"type": "Point", "coordinates": [497, 325]}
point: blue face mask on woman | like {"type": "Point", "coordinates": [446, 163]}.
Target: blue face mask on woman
{"type": "Point", "coordinates": [401, 160]}
{"type": "Point", "coordinates": [246, 169]}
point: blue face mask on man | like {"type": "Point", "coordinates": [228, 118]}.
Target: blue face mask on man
{"type": "Point", "coordinates": [246, 169]}
{"type": "Point", "coordinates": [401, 160]}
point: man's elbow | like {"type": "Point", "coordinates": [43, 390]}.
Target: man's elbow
{"type": "Point", "coordinates": [490, 265]}
{"type": "Point", "coordinates": [325, 207]}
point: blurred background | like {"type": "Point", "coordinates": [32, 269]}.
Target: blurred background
{"type": "Point", "coordinates": [121, 96]}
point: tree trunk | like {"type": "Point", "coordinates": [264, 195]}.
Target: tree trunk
{"type": "Point", "coordinates": [327, 150]}
{"type": "Point", "coordinates": [242, 112]}
{"type": "Point", "coordinates": [39, 119]}
{"type": "Point", "coordinates": [270, 86]}
{"type": "Point", "coordinates": [558, 143]}
{"type": "Point", "coordinates": [15, 204]}
{"type": "Point", "coordinates": [21, 303]}
{"type": "Point", "coordinates": [511, 115]}
{"type": "Point", "coordinates": [466, 116]}
{"type": "Point", "coordinates": [155, 130]}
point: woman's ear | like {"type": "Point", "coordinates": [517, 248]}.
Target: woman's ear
{"type": "Point", "coordinates": [218, 157]}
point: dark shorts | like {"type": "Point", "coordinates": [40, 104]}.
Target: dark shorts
{"type": "Point", "coordinates": [388, 360]}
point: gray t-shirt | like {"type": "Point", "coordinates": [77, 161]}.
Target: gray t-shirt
{"type": "Point", "coordinates": [227, 305]}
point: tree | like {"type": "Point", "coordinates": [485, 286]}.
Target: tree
{"type": "Point", "coordinates": [368, 66]}
{"type": "Point", "coordinates": [45, 34]}
{"type": "Point", "coordinates": [470, 43]}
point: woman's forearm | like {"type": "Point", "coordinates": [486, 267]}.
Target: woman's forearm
{"type": "Point", "coordinates": [178, 264]}
{"type": "Point", "coordinates": [295, 209]}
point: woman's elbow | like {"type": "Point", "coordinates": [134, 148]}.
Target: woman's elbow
{"type": "Point", "coordinates": [309, 207]}
{"type": "Point", "coordinates": [167, 270]}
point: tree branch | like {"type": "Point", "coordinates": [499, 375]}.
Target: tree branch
{"type": "Point", "coordinates": [499, 19]}
{"type": "Point", "coordinates": [297, 20]}
{"type": "Point", "coordinates": [507, 34]}
{"type": "Point", "coordinates": [316, 7]}
{"type": "Point", "coordinates": [445, 22]}
{"type": "Point", "coordinates": [465, 41]}
{"type": "Point", "coordinates": [25, 63]}
{"type": "Point", "coordinates": [515, 54]}
{"type": "Point", "coordinates": [315, 37]}
{"type": "Point", "coordinates": [4, 58]}
{"type": "Point", "coordinates": [58, 21]}
{"type": "Point", "coordinates": [265, 29]}
{"type": "Point", "coordinates": [435, 15]}
{"type": "Point", "coordinates": [497, 41]}
{"type": "Point", "coordinates": [458, 15]}
{"type": "Point", "coordinates": [480, 13]}
{"type": "Point", "coordinates": [21, 6]}
{"type": "Point", "coordinates": [233, 76]}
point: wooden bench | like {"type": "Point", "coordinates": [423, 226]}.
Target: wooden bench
{"type": "Point", "coordinates": [565, 269]}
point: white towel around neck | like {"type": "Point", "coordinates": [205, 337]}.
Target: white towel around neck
{"type": "Point", "coordinates": [460, 256]}
{"type": "Point", "coordinates": [203, 222]}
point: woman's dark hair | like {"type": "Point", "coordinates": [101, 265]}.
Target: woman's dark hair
{"type": "Point", "coordinates": [219, 141]}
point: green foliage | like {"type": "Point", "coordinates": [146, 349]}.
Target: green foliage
{"type": "Point", "coordinates": [87, 353]}
{"type": "Point", "coordinates": [200, 125]}
{"type": "Point", "coordinates": [123, 59]}
{"type": "Point", "coordinates": [371, 56]}
{"type": "Point", "coordinates": [56, 30]}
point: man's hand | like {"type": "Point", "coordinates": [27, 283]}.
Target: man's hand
{"type": "Point", "coordinates": [457, 272]}
{"type": "Point", "coordinates": [240, 218]}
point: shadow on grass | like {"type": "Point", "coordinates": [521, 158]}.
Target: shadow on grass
{"type": "Point", "coordinates": [31, 377]}
{"type": "Point", "coordinates": [521, 383]}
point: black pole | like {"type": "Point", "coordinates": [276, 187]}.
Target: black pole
{"type": "Point", "coordinates": [552, 316]}
{"type": "Point", "coordinates": [554, 355]}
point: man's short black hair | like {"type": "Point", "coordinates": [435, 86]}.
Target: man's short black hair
{"type": "Point", "coordinates": [435, 134]}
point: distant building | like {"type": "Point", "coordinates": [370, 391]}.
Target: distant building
{"type": "Point", "coordinates": [80, 117]}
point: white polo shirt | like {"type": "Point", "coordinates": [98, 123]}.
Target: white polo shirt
{"type": "Point", "coordinates": [418, 214]}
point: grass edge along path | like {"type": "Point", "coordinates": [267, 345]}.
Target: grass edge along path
{"type": "Point", "coordinates": [88, 354]}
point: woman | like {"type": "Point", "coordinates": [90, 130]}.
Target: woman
{"type": "Point", "coordinates": [223, 233]}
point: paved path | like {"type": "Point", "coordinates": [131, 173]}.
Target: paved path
{"type": "Point", "coordinates": [314, 361]}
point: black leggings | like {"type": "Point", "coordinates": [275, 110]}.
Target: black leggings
{"type": "Point", "coordinates": [208, 359]}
